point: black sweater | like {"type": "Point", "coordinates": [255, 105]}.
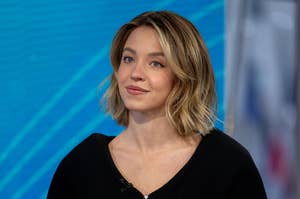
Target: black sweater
{"type": "Point", "coordinates": [219, 168]}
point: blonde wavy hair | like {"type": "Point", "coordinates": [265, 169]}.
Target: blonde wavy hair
{"type": "Point", "coordinates": [191, 104]}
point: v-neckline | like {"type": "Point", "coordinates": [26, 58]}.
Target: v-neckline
{"type": "Point", "coordinates": [169, 183]}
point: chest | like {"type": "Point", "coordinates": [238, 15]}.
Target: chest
{"type": "Point", "coordinates": [151, 172]}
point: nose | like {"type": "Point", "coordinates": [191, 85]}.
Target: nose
{"type": "Point", "coordinates": [137, 73]}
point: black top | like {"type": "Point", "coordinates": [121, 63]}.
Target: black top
{"type": "Point", "coordinates": [219, 168]}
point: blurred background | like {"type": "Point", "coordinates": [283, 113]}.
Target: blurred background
{"type": "Point", "coordinates": [262, 88]}
{"type": "Point", "coordinates": [54, 54]}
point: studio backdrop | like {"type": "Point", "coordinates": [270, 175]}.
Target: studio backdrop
{"type": "Point", "coordinates": [53, 56]}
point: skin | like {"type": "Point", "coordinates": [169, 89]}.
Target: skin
{"type": "Point", "coordinates": [150, 144]}
{"type": "Point", "coordinates": [143, 64]}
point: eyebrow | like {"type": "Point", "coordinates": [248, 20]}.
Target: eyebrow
{"type": "Point", "coordinates": [153, 54]}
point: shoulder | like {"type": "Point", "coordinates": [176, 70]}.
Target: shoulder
{"type": "Point", "coordinates": [238, 169]}
{"type": "Point", "coordinates": [222, 149]}
{"type": "Point", "coordinates": [219, 142]}
{"type": "Point", "coordinates": [90, 142]}
{"type": "Point", "coordinates": [87, 150]}
{"type": "Point", "coordinates": [233, 165]}
{"type": "Point", "coordinates": [84, 166]}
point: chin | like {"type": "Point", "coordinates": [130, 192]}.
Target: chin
{"type": "Point", "coordinates": [135, 107]}
{"type": "Point", "coordinates": [145, 108]}
{"type": "Point", "coordinates": [144, 105]}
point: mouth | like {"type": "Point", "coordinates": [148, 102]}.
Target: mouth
{"type": "Point", "coordinates": [135, 90]}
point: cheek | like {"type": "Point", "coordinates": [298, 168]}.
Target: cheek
{"type": "Point", "coordinates": [120, 75]}
{"type": "Point", "coordinates": [163, 83]}
{"type": "Point", "coordinates": [168, 81]}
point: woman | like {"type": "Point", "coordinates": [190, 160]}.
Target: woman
{"type": "Point", "coordinates": [163, 92]}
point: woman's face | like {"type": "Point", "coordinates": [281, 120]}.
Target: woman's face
{"type": "Point", "coordinates": [144, 77]}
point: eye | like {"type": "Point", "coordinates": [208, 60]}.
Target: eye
{"type": "Point", "coordinates": [127, 59]}
{"type": "Point", "coordinates": [156, 64]}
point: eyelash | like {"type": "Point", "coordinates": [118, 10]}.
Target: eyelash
{"type": "Point", "coordinates": [128, 59]}
{"type": "Point", "coordinates": [156, 62]}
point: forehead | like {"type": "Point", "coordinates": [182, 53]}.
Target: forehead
{"type": "Point", "coordinates": [143, 37]}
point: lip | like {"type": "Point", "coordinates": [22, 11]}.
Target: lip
{"type": "Point", "coordinates": [135, 90]}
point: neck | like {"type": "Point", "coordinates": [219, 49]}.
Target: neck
{"type": "Point", "coordinates": [152, 133]}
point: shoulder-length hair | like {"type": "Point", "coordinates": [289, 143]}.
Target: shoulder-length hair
{"type": "Point", "coordinates": [191, 104]}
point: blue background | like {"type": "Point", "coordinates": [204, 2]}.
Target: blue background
{"type": "Point", "coordinates": [53, 55]}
